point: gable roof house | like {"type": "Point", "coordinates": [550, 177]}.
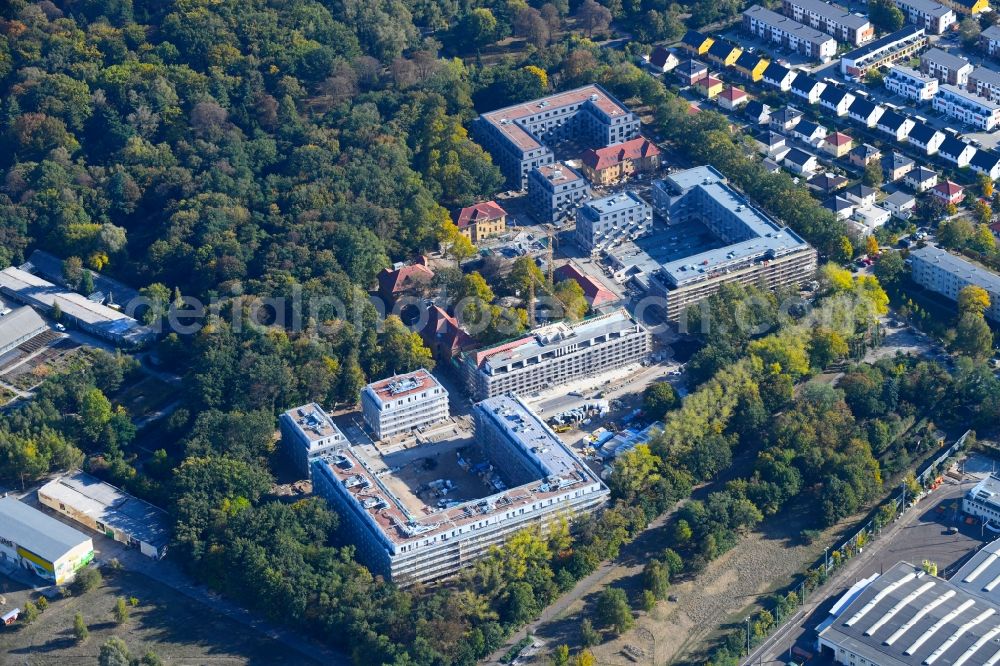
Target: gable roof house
{"type": "Point", "coordinates": [779, 77]}
{"type": "Point", "coordinates": [771, 143]}
{"type": "Point", "coordinates": [443, 335]}
{"type": "Point", "coordinates": [708, 86]}
{"type": "Point", "coordinates": [401, 280]}
{"type": "Point", "coordinates": [696, 43]}
{"type": "Point", "coordinates": [751, 66]}
{"type": "Point", "coordinates": [925, 137]}
{"type": "Point", "coordinates": [807, 87]}
{"type": "Point", "coordinates": [732, 97]}
{"type": "Point", "coordinates": [826, 182]}
{"type": "Point", "coordinates": [895, 125]}
{"type": "Point", "coordinates": [957, 152]}
{"type": "Point", "coordinates": [810, 132]}
{"type": "Point", "coordinates": [723, 53]}
{"type": "Point", "coordinates": [840, 207]}
{"type": "Point", "coordinates": [785, 119]}
{"type": "Point", "coordinates": [986, 162]}
{"type": "Point", "coordinates": [758, 112]}
{"type": "Point", "coordinates": [862, 195]}
{"type": "Point", "coordinates": [661, 60]}
{"type": "Point", "coordinates": [597, 294]}
{"type": "Point", "coordinates": [836, 99]}
{"type": "Point", "coordinates": [865, 112]}
{"type": "Point", "coordinates": [900, 204]}
{"type": "Point", "coordinates": [801, 162]}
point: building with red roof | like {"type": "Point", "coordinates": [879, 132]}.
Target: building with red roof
{"type": "Point", "coordinates": [443, 335]}
{"type": "Point", "coordinates": [732, 98]}
{"type": "Point", "coordinates": [608, 165]}
{"type": "Point", "coordinates": [481, 221]}
{"type": "Point", "coordinates": [398, 281]}
{"type": "Point", "coordinates": [709, 86]}
{"type": "Point", "coordinates": [596, 293]}
{"type": "Point", "coordinates": [838, 144]}
{"type": "Point", "coordinates": [949, 192]}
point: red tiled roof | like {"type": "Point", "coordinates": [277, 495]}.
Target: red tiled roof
{"type": "Point", "coordinates": [602, 158]}
{"type": "Point", "coordinates": [838, 139]}
{"type": "Point", "coordinates": [949, 189]}
{"type": "Point", "coordinates": [444, 330]}
{"type": "Point", "coordinates": [485, 210]}
{"type": "Point", "coordinates": [597, 294]}
{"type": "Point", "coordinates": [733, 93]}
{"type": "Point", "coordinates": [693, 109]}
{"type": "Point", "coordinates": [707, 82]}
{"type": "Point", "coordinates": [394, 281]}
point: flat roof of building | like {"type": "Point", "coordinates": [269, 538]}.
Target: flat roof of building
{"type": "Point", "coordinates": [313, 422]}
{"type": "Point", "coordinates": [50, 267]}
{"type": "Point", "coordinates": [906, 617]}
{"type": "Point", "coordinates": [398, 525]}
{"type": "Point", "coordinates": [791, 26]}
{"type": "Point", "coordinates": [944, 59]}
{"type": "Point", "coordinates": [887, 43]}
{"type": "Point", "coordinates": [399, 386]}
{"type": "Point", "coordinates": [615, 203]}
{"type": "Point", "coordinates": [981, 574]}
{"type": "Point", "coordinates": [112, 506]}
{"type": "Point", "coordinates": [33, 289]}
{"type": "Point", "coordinates": [505, 119]}
{"type": "Point", "coordinates": [958, 266]}
{"type": "Point", "coordinates": [768, 236]}
{"type": "Point", "coordinates": [553, 337]}
{"type": "Point", "coordinates": [834, 13]}
{"type": "Point", "coordinates": [558, 173]}
{"type": "Point", "coordinates": [36, 531]}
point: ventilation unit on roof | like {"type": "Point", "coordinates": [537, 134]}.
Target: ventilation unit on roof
{"type": "Point", "coordinates": [594, 97]}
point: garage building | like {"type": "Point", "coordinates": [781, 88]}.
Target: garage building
{"type": "Point", "coordinates": [40, 543]}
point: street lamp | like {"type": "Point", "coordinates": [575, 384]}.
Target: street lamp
{"type": "Point", "coordinates": [826, 560]}
{"type": "Point", "coordinates": [748, 635]}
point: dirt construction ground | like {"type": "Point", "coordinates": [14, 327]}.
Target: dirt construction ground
{"type": "Point", "coordinates": [179, 630]}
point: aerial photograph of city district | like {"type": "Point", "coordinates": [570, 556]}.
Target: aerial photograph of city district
{"type": "Point", "coordinates": [521, 332]}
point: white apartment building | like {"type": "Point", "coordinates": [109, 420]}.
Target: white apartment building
{"type": "Point", "coordinates": [883, 51]}
{"type": "Point", "coordinates": [983, 501]}
{"type": "Point", "coordinates": [947, 274]}
{"type": "Point", "coordinates": [308, 432]}
{"type": "Point", "coordinates": [967, 107]}
{"type": "Point", "coordinates": [773, 27]}
{"type": "Point", "coordinates": [985, 82]}
{"type": "Point", "coordinates": [990, 37]}
{"type": "Point", "coordinates": [611, 219]}
{"type": "Point", "coordinates": [832, 19]}
{"type": "Point", "coordinates": [403, 403]}
{"type": "Point", "coordinates": [556, 354]}
{"type": "Point", "coordinates": [537, 479]}
{"type": "Point", "coordinates": [946, 67]}
{"type": "Point", "coordinates": [929, 15]}
{"type": "Point", "coordinates": [910, 83]}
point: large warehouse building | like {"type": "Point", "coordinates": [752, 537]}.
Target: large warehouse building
{"type": "Point", "coordinates": [556, 354]}
{"type": "Point", "coordinates": [518, 137]}
{"type": "Point", "coordinates": [40, 543]}
{"type": "Point", "coordinates": [112, 512]}
{"type": "Point", "coordinates": [536, 478]}
{"type": "Point", "coordinates": [907, 617]}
